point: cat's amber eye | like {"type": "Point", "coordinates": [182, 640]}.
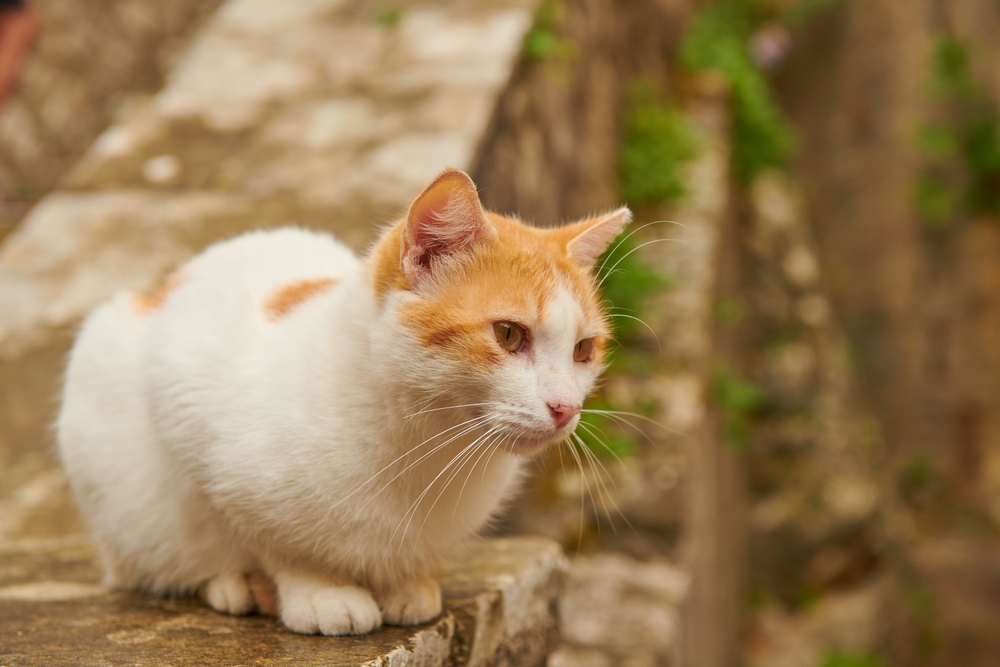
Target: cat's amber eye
{"type": "Point", "coordinates": [584, 350]}
{"type": "Point", "coordinates": [510, 336]}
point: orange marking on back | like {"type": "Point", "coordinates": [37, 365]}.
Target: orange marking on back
{"type": "Point", "coordinates": [287, 298]}
{"type": "Point", "coordinates": [147, 303]}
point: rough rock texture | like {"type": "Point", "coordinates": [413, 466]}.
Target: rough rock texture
{"type": "Point", "coordinates": [817, 537]}
{"type": "Point", "coordinates": [499, 610]}
{"type": "Point", "coordinates": [921, 302]}
{"type": "Point", "coordinates": [617, 611]}
{"type": "Point", "coordinates": [553, 146]}
{"type": "Point", "coordinates": [92, 59]}
{"type": "Point", "coordinates": [813, 454]}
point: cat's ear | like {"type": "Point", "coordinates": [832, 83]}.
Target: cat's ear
{"type": "Point", "coordinates": [446, 218]}
{"type": "Point", "coordinates": [587, 239]}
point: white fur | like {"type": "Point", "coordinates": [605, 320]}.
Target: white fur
{"type": "Point", "coordinates": [204, 441]}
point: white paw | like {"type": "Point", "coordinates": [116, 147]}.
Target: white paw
{"type": "Point", "coordinates": [333, 610]}
{"type": "Point", "coordinates": [414, 602]}
{"type": "Point", "coordinates": [228, 593]}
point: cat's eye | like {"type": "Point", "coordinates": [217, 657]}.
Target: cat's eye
{"type": "Point", "coordinates": [584, 350]}
{"type": "Point", "coordinates": [510, 336]}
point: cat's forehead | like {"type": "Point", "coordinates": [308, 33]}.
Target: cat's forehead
{"type": "Point", "coordinates": [524, 269]}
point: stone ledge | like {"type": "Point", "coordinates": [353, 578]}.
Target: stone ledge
{"type": "Point", "coordinates": [500, 609]}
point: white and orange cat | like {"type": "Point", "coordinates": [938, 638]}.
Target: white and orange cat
{"type": "Point", "coordinates": [333, 424]}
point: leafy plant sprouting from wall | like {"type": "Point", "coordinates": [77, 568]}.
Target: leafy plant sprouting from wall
{"type": "Point", "coordinates": [718, 41]}
{"type": "Point", "coordinates": [544, 39]}
{"type": "Point", "coordinates": [962, 150]}
{"type": "Point", "coordinates": [657, 141]}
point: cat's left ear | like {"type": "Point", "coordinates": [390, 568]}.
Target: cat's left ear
{"type": "Point", "coordinates": [587, 239]}
{"type": "Point", "coordinates": [445, 219]}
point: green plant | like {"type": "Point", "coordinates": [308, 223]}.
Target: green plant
{"type": "Point", "coordinates": [803, 9]}
{"type": "Point", "coordinates": [962, 166]}
{"type": "Point", "coordinates": [387, 18]}
{"type": "Point", "coordinates": [658, 141]}
{"type": "Point", "coordinates": [627, 284]}
{"type": "Point", "coordinates": [717, 41]}
{"type": "Point", "coordinates": [844, 659]}
{"type": "Point", "coordinates": [935, 199]}
{"type": "Point", "coordinates": [806, 598]}
{"type": "Point", "coordinates": [739, 400]}
{"type": "Point", "coordinates": [543, 39]}
{"type": "Point", "coordinates": [729, 310]}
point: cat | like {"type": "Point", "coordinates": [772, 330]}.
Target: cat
{"type": "Point", "coordinates": [280, 408]}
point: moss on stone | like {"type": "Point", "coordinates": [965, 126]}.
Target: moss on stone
{"type": "Point", "coordinates": [658, 141]}
{"type": "Point", "coordinates": [961, 175]}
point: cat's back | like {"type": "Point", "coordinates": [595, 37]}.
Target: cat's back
{"type": "Point", "coordinates": [263, 262]}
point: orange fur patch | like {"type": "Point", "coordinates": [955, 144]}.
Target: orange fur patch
{"type": "Point", "coordinates": [512, 277]}
{"type": "Point", "coordinates": [147, 303]}
{"type": "Point", "coordinates": [287, 298]}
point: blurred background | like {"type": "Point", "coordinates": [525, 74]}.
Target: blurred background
{"type": "Point", "coordinates": [794, 459]}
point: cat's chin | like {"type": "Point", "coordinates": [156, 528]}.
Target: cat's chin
{"type": "Point", "coordinates": [529, 446]}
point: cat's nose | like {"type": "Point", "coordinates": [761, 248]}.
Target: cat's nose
{"type": "Point", "coordinates": [562, 413]}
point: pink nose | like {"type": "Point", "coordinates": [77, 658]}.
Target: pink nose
{"type": "Point", "coordinates": [562, 414]}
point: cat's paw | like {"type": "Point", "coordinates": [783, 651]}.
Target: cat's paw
{"type": "Point", "coordinates": [228, 593]}
{"type": "Point", "coordinates": [331, 610]}
{"type": "Point", "coordinates": [416, 601]}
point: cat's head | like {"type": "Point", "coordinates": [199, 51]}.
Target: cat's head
{"type": "Point", "coordinates": [497, 315]}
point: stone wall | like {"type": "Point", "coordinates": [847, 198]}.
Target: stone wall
{"type": "Point", "coordinates": [552, 151]}
{"type": "Point", "coordinates": [92, 61]}
{"type": "Point", "coordinates": [918, 300]}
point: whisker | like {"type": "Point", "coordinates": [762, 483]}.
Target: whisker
{"type": "Point", "coordinates": [495, 449]}
{"type": "Point", "coordinates": [611, 478]}
{"type": "Point", "coordinates": [602, 490]}
{"type": "Point", "coordinates": [583, 475]}
{"type": "Point", "coordinates": [479, 422]}
{"type": "Point", "coordinates": [639, 247]}
{"type": "Point", "coordinates": [411, 511]}
{"type": "Point", "coordinates": [590, 429]}
{"type": "Point", "coordinates": [448, 407]}
{"type": "Point", "coordinates": [628, 236]}
{"type": "Point", "coordinates": [490, 447]}
{"type": "Point", "coordinates": [618, 414]}
{"type": "Point", "coordinates": [478, 443]}
{"type": "Point", "coordinates": [643, 323]}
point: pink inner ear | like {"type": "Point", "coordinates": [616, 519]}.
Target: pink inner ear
{"type": "Point", "coordinates": [446, 218]}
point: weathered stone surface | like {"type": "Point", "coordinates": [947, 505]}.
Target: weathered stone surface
{"type": "Point", "coordinates": [617, 610]}
{"type": "Point", "coordinates": [78, 249]}
{"type": "Point", "coordinates": [500, 603]}
{"type": "Point", "coordinates": [845, 622]}
{"type": "Point", "coordinates": [90, 59]}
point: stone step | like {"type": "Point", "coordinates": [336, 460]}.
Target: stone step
{"type": "Point", "coordinates": [500, 608]}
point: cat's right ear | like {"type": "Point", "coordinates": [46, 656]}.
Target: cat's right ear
{"type": "Point", "coordinates": [445, 219]}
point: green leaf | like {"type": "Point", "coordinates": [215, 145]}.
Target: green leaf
{"type": "Point", "coordinates": [388, 18]}
{"type": "Point", "coordinates": [936, 201]}
{"type": "Point", "coordinates": [718, 41]}
{"type": "Point", "coordinates": [659, 140]}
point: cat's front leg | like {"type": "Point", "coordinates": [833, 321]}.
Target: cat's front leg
{"type": "Point", "coordinates": [309, 606]}
{"type": "Point", "coordinates": [414, 601]}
